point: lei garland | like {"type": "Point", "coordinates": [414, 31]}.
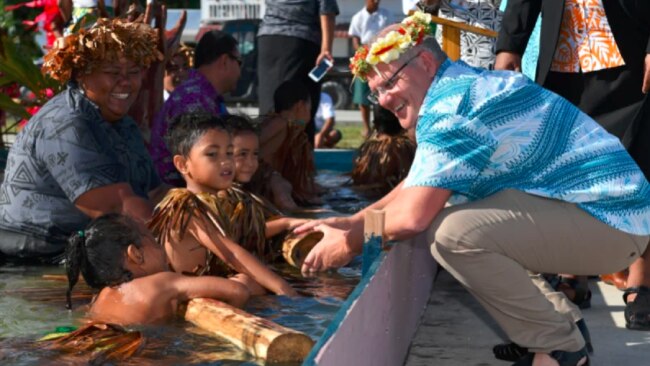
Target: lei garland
{"type": "Point", "coordinates": [389, 48]}
{"type": "Point", "coordinates": [106, 41]}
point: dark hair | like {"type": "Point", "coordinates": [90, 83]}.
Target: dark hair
{"type": "Point", "coordinates": [186, 129]}
{"type": "Point", "coordinates": [212, 45]}
{"type": "Point", "coordinates": [288, 94]}
{"type": "Point", "coordinates": [386, 122]}
{"type": "Point", "coordinates": [240, 124]}
{"type": "Point", "coordinates": [98, 252]}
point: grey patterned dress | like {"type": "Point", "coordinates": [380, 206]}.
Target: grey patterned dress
{"type": "Point", "coordinates": [475, 50]}
{"type": "Point", "coordinates": [66, 150]}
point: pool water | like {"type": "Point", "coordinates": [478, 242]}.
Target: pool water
{"type": "Point", "coordinates": [32, 306]}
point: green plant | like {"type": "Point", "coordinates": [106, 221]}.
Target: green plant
{"type": "Point", "coordinates": [352, 138]}
{"type": "Point", "coordinates": [18, 68]}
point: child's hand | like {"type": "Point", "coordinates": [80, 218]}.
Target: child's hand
{"type": "Point", "coordinates": [288, 291]}
{"type": "Point", "coordinates": [295, 222]}
{"type": "Point", "coordinates": [281, 189]}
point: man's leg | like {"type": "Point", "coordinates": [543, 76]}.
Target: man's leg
{"type": "Point", "coordinates": [360, 97]}
{"type": "Point", "coordinates": [365, 120]}
{"type": "Point", "coordinates": [489, 245]}
{"type": "Point", "coordinates": [510, 351]}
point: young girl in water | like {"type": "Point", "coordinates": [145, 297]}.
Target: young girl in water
{"type": "Point", "coordinates": [121, 257]}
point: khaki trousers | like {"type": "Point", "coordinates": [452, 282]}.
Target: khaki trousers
{"type": "Point", "coordinates": [492, 246]}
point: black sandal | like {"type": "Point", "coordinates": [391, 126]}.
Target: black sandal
{"type": "Point", "coordinates": [581, 292]}
{"type": "Point", "coordinates": [563, 358]}
{"type": "Point", "coordinates": [509, 351]}
{"type": "Point", "coordinates": [637, 312]}
{"type": "Point", "coordinates": [513, 352]}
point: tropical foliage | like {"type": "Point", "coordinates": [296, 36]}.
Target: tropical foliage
{"type": "Point", "coordinates": [18, 69]}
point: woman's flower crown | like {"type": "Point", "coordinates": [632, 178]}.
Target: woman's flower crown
{"type": "Point", "coordinates": [390, 47]}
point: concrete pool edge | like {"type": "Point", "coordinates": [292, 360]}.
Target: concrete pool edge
{"type": "Point", "coordinates": [375, 325]}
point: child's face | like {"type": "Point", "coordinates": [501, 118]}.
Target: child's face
{"type": "Point", "coordinates": [154, 254]}
{"type": "Point", "coordinates": [247, 151]}
{"type": "Point", "coordinates": [155, 258]}
{"type": "Point", "coordinates": [209, 166]}
{"type": "Point", "coordinates": [175, 72]}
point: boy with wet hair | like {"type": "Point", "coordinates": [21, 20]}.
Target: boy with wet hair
{"type": "Point", "coordinates": [191, 222]}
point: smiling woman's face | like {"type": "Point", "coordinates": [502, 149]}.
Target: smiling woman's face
{"type": "Point", "coordinates": [113, 86]}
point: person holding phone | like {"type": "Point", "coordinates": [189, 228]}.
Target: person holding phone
{"type": "Point", "coordinates": [364, 25]}
{"type": "Point", "coordinates": [295, 36]}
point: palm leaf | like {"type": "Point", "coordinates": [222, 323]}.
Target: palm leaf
{"type": "Point", "coordinates": [102, 341]}
{"type": "Point", "coordinates": [18, 67]}
{"type": "Point", "coordinates": [9, 105]}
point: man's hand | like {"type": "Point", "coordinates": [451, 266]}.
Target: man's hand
{"type": "Point", "coordinates": [645, 88]}
{"type": "Point", "coordinates": [508, 61]}
{"type": "Point", "coordinates": [324, 54]}
{"type": "Point", "coordinates": [332, 251]}
{"type": "Point", "coordinates": [342, 223]}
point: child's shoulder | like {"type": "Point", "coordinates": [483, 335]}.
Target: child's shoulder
{"type": "Point", "coordinates": [275, 122]}
{"type": "Point", "coordinates": [157, 279]}
{"type": "Point", "coordinates": [179, 198]}
{"type": "Point", "coordinates": [180, 207]}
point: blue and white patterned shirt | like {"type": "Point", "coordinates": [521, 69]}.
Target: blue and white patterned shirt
{"type": "Point", "coordinates": [481, 132]}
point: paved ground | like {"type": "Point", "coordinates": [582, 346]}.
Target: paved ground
{"type": "Point", "coordinates": [456, 331]}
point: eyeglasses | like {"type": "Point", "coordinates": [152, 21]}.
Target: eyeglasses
{"type": "Point", "coordinates": [389, 83]}
{"type": "Point", "coordinates": [236, 58]}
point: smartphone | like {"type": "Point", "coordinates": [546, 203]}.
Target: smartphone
{"type": "Point", "coordinates": [320, 70]}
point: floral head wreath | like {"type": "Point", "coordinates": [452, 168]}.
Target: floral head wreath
{"type": "Point", "coordinates": [411, 32]}
{"type": "Point", "coordinates": [107, 40]}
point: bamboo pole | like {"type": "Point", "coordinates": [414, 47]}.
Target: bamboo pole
{"type": "Point", "coordinates": [260, 337]}
{"type": "Point", "coordinates": [373, 226]}
{"type": "Point", "coordinates": [373, 238]}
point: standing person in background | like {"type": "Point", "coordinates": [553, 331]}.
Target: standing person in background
{"type": "Point", "coordinates": [177, 68]}
{"type": "Point", "coordinates": [596, 54]}
{"type": "Point", "coordinates": [363, 26]}
{"type": "Point", "coordinates": [217, 66]}
{"type": "Point", "coordinates": [295, 35]}
{"type": "Point", "coordinates": [84, 13]}
{"type": "Point", "coordinates": [326, 135]}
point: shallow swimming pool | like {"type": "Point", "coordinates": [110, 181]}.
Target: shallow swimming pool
{"type": "Point", "coordinates": [32, 306]}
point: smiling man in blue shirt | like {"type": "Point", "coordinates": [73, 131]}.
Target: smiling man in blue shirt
{"type": "Point", "coordinates": [509, 178]}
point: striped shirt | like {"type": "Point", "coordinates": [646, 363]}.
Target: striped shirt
{"type": "Point", "coordinates": [481, 132]}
